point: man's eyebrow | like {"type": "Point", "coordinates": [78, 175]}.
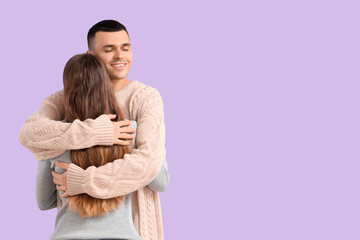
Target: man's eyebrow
{"type": "Point", "coordinates": [112, 45]}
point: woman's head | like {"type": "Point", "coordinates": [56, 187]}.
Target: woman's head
{"type": "Point", "coordinates": [87, 89]}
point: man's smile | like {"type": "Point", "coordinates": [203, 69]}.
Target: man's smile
{"type": "Point", "coordinates": [119, 65]}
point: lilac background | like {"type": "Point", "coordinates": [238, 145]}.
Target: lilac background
{"type": "Point", "coordinates": [261, 105]}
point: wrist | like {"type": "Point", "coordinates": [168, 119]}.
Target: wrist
{"type": "Point", "coordinates": [75, 178]}
{"type": "Point", "coordinates": [104, 131]}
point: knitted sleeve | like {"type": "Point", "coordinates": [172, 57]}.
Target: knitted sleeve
{"type": "Point", "coordinates": [46, 136]}
{"type": "Point", "coordinates": [161, 181]}
{"type": "Point", "coordinates": [135, 170]}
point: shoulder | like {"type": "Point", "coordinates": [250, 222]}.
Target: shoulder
{"type": "Point", "coordinates": [144, 93]}
{"type": "Point", "coordinates": [144, 90]}
{"type": "Point", "coordinates": [56, 95]}
{"type": "Point", "coordinates": [64, 157]}
{"type": "Point", "coordinates": [55, 98]}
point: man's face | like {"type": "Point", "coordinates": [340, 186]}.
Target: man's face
{"type": "Point", "coordinates": [114, 50]}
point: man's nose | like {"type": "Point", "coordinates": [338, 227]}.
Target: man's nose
{"type": "Point", "coordinates": [119, 54]}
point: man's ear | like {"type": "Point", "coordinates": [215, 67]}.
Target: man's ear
{"type": "Point", "coordinates": [89, 52]}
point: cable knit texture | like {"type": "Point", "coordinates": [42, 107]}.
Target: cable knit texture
{"type": "Point", "coordinates": [47, 137]}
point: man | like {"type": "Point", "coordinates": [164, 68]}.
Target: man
{"type": "Point", "coordinates": [47, 136]}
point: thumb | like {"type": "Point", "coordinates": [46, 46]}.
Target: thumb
{"type": "Point", "coordinates": [62, 165]}
{"type": "Point", "coordinates": [111, 116]}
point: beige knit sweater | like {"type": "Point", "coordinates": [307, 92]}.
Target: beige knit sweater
{"type": "Point", "coordinates": [46, 136]}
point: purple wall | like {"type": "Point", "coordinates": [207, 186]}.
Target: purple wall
{"type": "Point", "coordinates": [261, 110]}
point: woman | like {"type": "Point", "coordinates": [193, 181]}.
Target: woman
{"type": "Point", "coordinates": [88, 94]}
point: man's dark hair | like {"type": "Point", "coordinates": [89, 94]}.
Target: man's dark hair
{"type": "Point", "coordinates": [104, 26]}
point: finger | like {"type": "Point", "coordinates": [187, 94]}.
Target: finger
{"type": "Point", "coordinates": [125, 136]}
{"type": "Point", "coordinates": [121, 142]}
{"type": "Point", "coordinates": [127, 130]}
{"type": "Point", "coordinates": [62, 165]}
{"type": "Point", "coordinates": [55, 175]}
{"type": "Point", "coordinates": [56, 181]}
{"type": "Point", "coordinates": [122, 123]}
{"type": "Point", "coordinates": [60, 188]}
{"type": "Point", "coordinates": [64, 195]}
{"type": "Point", "coordinates": [111, 116]}
{"type": "Point", "coordinates": [57, 178]}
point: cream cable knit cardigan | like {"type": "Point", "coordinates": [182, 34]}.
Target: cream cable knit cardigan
{"type": "Point", "coordinates": [46, 136]}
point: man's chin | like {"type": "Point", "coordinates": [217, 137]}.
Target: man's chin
{"type": "Point", "coordinates": [117, 77]}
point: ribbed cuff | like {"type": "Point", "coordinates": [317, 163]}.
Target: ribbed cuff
{"type": "Point", "coordinates": [104, 131]}
{"type": "Point", "coordinates": [75, 178]}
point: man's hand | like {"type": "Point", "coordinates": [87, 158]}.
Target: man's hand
{"type": "Point", "coordinates": [121, 132]}
{"type": "Point", "coordinates": [61, 179]}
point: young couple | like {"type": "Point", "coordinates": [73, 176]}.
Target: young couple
{"type": "Point", "coordinates": [104, 185]}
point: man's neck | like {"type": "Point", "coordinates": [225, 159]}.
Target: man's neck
{"type": "Point", "coordinates": [119, 84]}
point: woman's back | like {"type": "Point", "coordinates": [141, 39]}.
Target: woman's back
{"type": "Point", "coordinates": [88, 94]}
{"type": "Point", "coordinates": [117, 224]}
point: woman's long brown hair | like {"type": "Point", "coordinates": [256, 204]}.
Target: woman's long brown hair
{"type": "Point", "coordinates": [88, 93]}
